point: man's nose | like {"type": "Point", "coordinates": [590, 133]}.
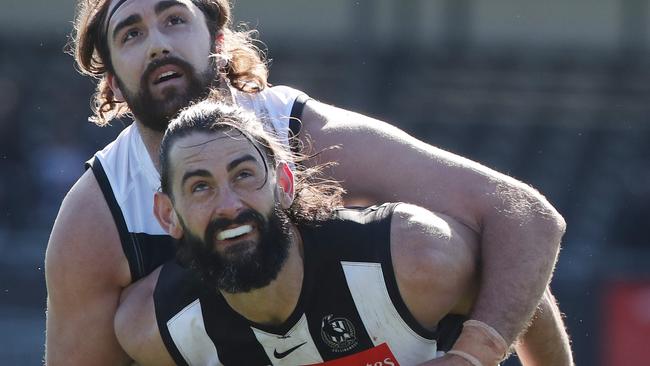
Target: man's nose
{"type": "Point", "coordinates": [230, 204]}
{"type": "Point", "coordinates": [159, 46]}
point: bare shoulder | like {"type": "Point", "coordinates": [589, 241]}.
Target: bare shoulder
{"type": "Point", "coordinates": [84, 235]}
{"type": "Point", "coordinates": [321, 119]}
{"type": "Point", "coordinates": [435, 261]}
{"type": "Point", "coordinates": [136, 326]}
{"type": "Point", "coordinates": [85, 270]}
{"type": "Point", "coordinates": [418, 231]}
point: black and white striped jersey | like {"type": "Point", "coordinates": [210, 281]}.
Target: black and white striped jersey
{"type": "Point", "coordinates": [128, 178]}
{"type": "Point", "coordinates": [349, 310]}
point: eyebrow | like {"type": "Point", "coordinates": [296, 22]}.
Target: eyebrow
{"type": "Point", "coordinates": [195, 173]}
{"type": "Point", "coordinates": [135, 18]}
{"type": "Point", "coordinates": [130, 20]}
{"type": "Point", "coordinates": [233, 164]}
{"type": "Point", "coordinates": [206, 174]}
{"type": "Point", "coordinates": [166, 4]}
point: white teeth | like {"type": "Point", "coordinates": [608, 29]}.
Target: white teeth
{"type": "Point", "coordinates": [232, 233]}
{"type": "Point", "coordinates": [166, 74]}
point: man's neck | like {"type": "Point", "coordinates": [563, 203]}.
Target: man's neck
{"type": "Point", "coordinates": [273, 304]}
{"type": "Point", "coordinates": [151, 140]}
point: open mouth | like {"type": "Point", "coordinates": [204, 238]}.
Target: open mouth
{"type": "Point", "coordinates": [235, 232]}
{"type": "Point", "coordinates": [165, 76]}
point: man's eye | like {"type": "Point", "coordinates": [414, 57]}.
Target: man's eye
{"type": "Point", "coordinates": [175, 20]}
{"type": "Point", "coordinates": [130, 35]}
{"type": "Point", "coordinates": [200, 187]}
{"type": "Point", "coordinates": [244, 174]}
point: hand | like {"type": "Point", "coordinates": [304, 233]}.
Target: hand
{"type": "Point", "coordinates": [447, 360]}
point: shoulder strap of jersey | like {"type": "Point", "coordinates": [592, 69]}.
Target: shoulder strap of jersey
{"type": "Point", "coordinates": [130, 244]}
{"type": "Point", "coordinates": [295, 122]}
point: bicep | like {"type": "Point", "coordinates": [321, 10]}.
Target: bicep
{"type": "Point", "coordinates": [85, 272]}
{"type": "Point", "coordinates": [378, 160]}
{"type": "Point", "coordinates": [136, 325]}
{"type": "Point", "coordinates": [435, 262]}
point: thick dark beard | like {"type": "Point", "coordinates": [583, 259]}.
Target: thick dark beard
{"type": "Point", "coordinates": [241, 268]}
{"type": "Point", "coordinates": [155, 114]}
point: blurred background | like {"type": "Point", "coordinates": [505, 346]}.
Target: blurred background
{"type": "Point", "coordinates": [554, 93]}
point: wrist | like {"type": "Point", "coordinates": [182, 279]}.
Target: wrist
{"type": "Point", "coordinates": [460, 358]}
{"type": "Point", "coordinates": [479, 345]}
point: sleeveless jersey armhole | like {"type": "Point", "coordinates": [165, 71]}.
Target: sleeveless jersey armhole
{"type": "Point", "coordinates": [129, 245]}
{"type": "Point", "coordinates": [295, 121]}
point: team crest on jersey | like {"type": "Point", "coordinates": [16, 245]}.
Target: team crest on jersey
{"type": "Point", "coordinates": [338, 333]}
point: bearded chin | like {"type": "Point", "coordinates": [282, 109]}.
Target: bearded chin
{"type": "Point", "coordinates": [241, 268]}
{"type": "Point", "coordinates": [154, 113]}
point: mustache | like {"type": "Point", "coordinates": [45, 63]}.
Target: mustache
{"type": "Point", "coordinates": [170, 60]}
{"type": "Point", "coordinates": [244, 217]}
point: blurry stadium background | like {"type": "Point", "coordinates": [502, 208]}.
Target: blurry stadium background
{"type": "Point", "coordinates": [552, 92]}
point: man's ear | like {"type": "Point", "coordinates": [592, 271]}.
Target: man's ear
{"type": "Point", "coordinates": [112, 83]}
{"type": "Point", "coordinates": [164, 211]}
{"type": "Point", "coordinates": [219, 39]}
{"type": "Point", "coordinates": [285, 184]}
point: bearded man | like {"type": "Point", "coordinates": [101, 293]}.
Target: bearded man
{"type": "Point", "coordinates": [152, 58]}
{"type": "Point", "coordinates": [273, 271]}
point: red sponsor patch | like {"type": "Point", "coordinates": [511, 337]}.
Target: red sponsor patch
{"type": "Point", "coordinates": [376, 356]}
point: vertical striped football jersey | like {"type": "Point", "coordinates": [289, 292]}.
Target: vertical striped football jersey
{"type": "Point", "coordinates": [349, 312]}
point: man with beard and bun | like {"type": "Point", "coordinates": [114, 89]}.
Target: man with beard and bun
{"type": "Point", "coordinates": [153, 57]}
{"type": "Point", "coordinates": [272, 271]}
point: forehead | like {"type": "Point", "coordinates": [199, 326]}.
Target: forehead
{"type": "Point", "coordinates": [210, 150]}
{"type": "Point", "coordinates": [119, 9]}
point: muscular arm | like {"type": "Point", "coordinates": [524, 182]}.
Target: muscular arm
{"type": "Point", "coordinates": [136, 326]}
{"type": "Point", "coordinates": [546, 341]}
{"type": "Point", "coordinates": [85, 272]}
{"type": "Point", "coordinates": [520, 231]}
{"type": "Point", "coordinates": [435, 261]}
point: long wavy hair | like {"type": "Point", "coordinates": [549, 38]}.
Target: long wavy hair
{"type": "Point", "coordinates": [246, 66]}
{"type": "Point", "coordinates": [315, 196]}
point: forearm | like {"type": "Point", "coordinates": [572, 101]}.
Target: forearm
{"type": "Point", "coordinates": [546, 341]}
{"type": "Point", "coordinates": [519, 247]}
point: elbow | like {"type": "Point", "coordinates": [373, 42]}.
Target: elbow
{"type": "Point", "coordinates": [527, 208]}
{"type": "Point", "coordinates": [551, 220]}
{"type": "Point", "coordinates": [546, 221]}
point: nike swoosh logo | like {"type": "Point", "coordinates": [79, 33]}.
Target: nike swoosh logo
{"type": "Point", "coordinates": [280, 355]}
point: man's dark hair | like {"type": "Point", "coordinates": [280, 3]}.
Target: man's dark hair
{"type": "Point", "coordinates": [315, 197]}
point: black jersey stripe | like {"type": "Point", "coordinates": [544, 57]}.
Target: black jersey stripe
{"type": "Point", "coordinates": [129, 244]}
{"type": "Point", "coordinates": [295, 122]}
{"type": "Point", "coordinates": [154, 250]}
{"type": "Point", "coordinates": [230, 332]}
{"type": "Point", "coordinates": [398, 302]}
{"type": "Point", "coordinates": [330, 302]}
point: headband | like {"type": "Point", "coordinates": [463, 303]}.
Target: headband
{"type": "Point", "coordinates": [110, 15]}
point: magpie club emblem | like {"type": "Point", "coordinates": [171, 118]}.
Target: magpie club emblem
{"type": "Point", "coordinates": [338, 333]}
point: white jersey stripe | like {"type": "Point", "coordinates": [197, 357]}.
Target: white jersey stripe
{"type": "Point", "coordinates": [187, 329]}
{"type": "Point", "coordinates": [380, 317]}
